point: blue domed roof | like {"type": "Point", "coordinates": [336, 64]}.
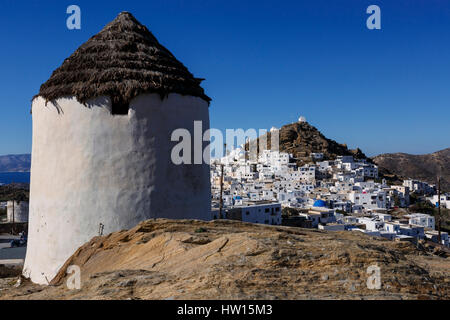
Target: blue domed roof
{"type": "Point", "coordinates": [320, 203]}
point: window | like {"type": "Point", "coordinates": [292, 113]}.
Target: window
{"type": "Point", "coordinates": [119, 108]}
{"type": "Point", "coordinates": [267, 210]}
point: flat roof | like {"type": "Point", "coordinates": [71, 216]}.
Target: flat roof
{"type": "Point", "coordinates": [435, 232]}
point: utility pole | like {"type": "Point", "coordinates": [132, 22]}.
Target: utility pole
{"type": "Point", "coordinates": [13, 220]}
{"type": "Point", "coordinates": [221, 192]}
{"type": "Point", "coordinates": [221, 185]}
{"type": "Point", "coordinates": [13, 228]}
{"type": "Point", "coordinates": [439, 210]}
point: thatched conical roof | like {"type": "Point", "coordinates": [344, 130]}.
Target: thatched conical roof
{"type": "Point", "coordinates": [121, 61]}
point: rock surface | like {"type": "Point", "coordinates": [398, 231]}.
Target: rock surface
{"type": "Point", "coordinates": [301, 139]}
{"type": "Point", "coordinates": [188, 259]}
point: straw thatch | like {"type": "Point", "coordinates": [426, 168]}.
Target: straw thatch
{"type": "Point", "coordinates": [123, 61]}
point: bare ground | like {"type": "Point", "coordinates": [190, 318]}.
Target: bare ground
{"type": "Point", "coordinates": [188, 259]}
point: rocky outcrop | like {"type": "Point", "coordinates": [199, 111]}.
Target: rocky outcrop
{"type": "Point", "coordinates": [301, 139]}
{"type": "Point", "coordinates": [187, 259]}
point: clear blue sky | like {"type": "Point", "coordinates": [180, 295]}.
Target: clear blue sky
{"type": "Point", "coordinates": [265, 63]}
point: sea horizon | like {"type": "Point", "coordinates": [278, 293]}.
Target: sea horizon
{"type": "Point", "coordinates": [16, 177]}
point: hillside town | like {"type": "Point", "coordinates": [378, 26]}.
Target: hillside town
{"type": "Point", "coordinates": [344, 194]}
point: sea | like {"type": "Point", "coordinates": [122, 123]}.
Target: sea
{"type": "Point", "coordinates": [16, 177]}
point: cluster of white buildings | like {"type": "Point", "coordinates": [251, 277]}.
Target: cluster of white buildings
{"type": "Point", "coordinates": [419, 186]}
{"type": "Point", "coordinates": [340, 194]}
{"type": "Point", "coordinates": [411, 227]}
{"type": "Point", "coordinates": [344, 183]}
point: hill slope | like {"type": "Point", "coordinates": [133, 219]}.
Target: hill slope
{"type": "Point", "coordinates": [186, 259]}
{"type": "Point", "coordinates": [15, 163]}
{"type": "Point", "coordinates": [423, 167]}
{"type": "Point", "coordinates": [301, 139]}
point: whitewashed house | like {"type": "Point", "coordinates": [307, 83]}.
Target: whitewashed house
{"type": "Point", "coordinates": [412, 231]}
{"type": "Point", "coordinates": [369, 200]}
{"type": "Point", "coordinates": [418, 186]}
{"type": "Point", "coordinates": [17, 211]}
{"type": "Point", "coordinates": [421, 219]}
{"type": "Point", "coordinates": [392, 227]}
{"type": "Point", "coordinates": [371, 224]}
{"type": "Point", "coordinates": [264, 213]}
{"type": "Point", "coordinates": [445, 200]}
{"type": "Point", "coordinates": [434, 234]}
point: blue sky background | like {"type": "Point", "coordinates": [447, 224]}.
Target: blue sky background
{"type": "Point", "coordinates": [265, 63]}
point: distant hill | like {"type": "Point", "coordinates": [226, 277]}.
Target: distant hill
{"type": "Point", "coordinates": [15, 163]}
{"type": "Point", "coordinates": [301, 139]}
{"type": "Point", "coordinates": [422, 167]}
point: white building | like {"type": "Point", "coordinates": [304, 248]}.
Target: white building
{"type": "Point", "coordinates": [418, 186]}
{"type": "Point", "coordinates": [371, 224]}
{"type": "Point", "coordinates": [402, 194]}
{"type": "Point", "coordinates": [412, 231]}
{"type": "Point", "coordinates": [445, 200]}
{"type": "Point", "coordinates": [320, 215]}
{"type": "Point", "coordinates": [433, 235]}
{"type": "Point", "coordinates": [370, 171]}
{"type": "Point", "coordinates": [102, 151]}
{"type": "Point", "coordinates": [369, 200]}
{"type": "Point", "coordinates": [313, 216]}
{"type": "Point", "coordinates": [305, 174]}
{"type": "Point", "coordinates": [421, 219]}
{"type": "Point", "coordinates": [17, 211]}
{"type": "Point", "coordinates": [264, 213]}
{"type": "Point", "coordinates": [392, 227]}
